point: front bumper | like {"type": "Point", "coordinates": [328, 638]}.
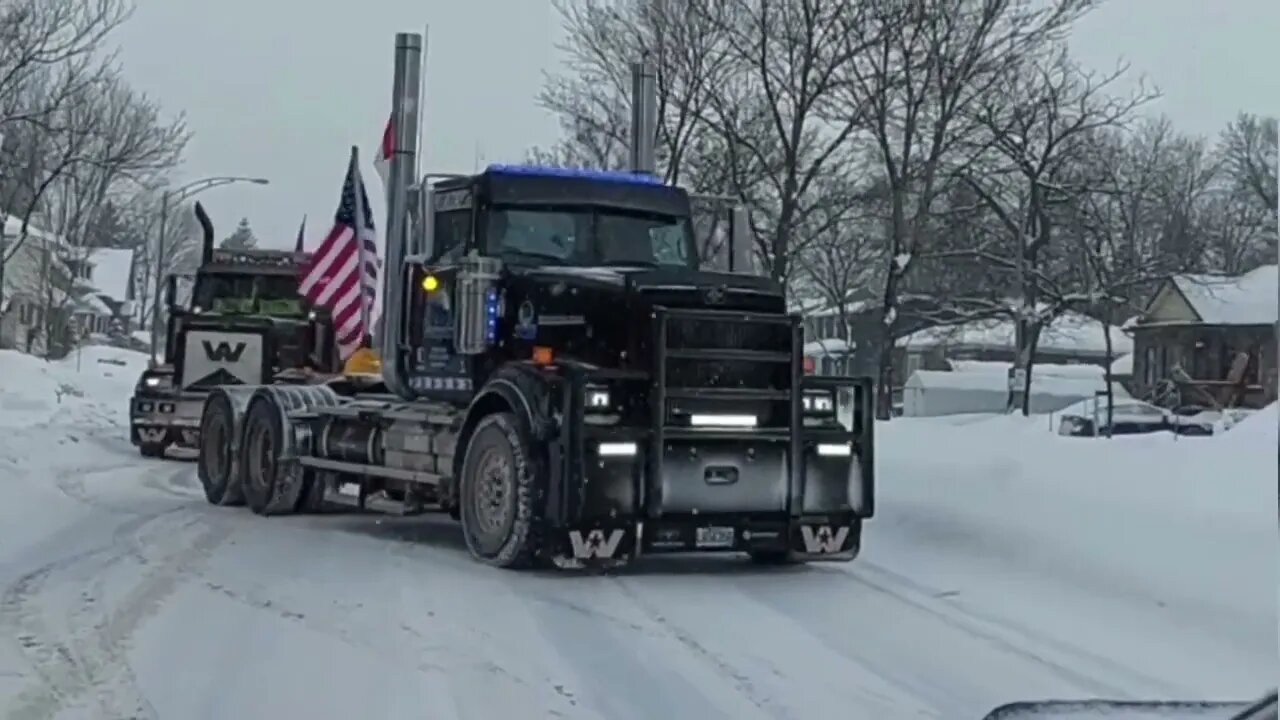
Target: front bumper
{"type": "Point", "coordinates": [165, 418]}
{"type": "Point", "coordinates": [619, 492]}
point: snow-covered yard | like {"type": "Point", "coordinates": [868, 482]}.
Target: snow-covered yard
{"type": "Point", "coordinates": [1005, 563]}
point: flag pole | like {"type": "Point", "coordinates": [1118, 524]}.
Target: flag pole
{"type": "Point", "coordinates": [359, 236]}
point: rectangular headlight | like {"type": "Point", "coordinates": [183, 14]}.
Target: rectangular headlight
{"type": "Point", "coordinates": [819, 403]}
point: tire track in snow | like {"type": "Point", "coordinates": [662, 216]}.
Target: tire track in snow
{"type": "Point", "coordinates": [735, 676]}
{"type": "Point", "coordinates": [1021, 633]}
{"type": "Point", "coordinates": [888, 659]}
{"type": "Point", "coordinates": [89, 661]}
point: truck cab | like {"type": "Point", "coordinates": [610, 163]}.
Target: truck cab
{"type": "Point", "coordinates": [244, 324]}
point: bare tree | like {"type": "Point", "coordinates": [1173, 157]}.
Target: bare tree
{"type": "Point", "coordinates": [842, 261]}
{"type": "Point", "coordinates": [181, 251]}
{"type": "Point", "coordinates": [788, 141]}
{"type": "Point", "coordinates": [928, 64]}
{"type": "Point", "coordinates": [1249, 149]}
{"type": "Point", "coordinates": [1126, 233]}
{"type": "Point", "coordinates": [43, 37]}
{"type": "Point", "coordinates": [683, 41]}
{"type": "Point", "coordinates": [1034, 128]}
{"type": "Point", "coordinates": [110, 134]}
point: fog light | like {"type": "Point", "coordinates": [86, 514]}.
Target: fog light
{"type": "Point", "coordinates": [834, 450]}
{"type": "Point", "coordinates": [597, 399]}
{"type": "Point", "coordinates": [616, 449]}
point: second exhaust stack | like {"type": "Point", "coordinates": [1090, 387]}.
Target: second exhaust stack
{"type": "Point", "coordinates": [644, 118]}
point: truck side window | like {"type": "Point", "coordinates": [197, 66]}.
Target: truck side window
{"type": "Point", "coordinates": [452, 232]}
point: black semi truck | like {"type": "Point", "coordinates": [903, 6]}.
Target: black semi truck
{"type": "Point", "coordinates": [245, 324]}
{"type": "Point", "coordinates": [560, 375]}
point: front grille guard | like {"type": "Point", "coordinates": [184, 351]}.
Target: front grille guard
{"type": "Point", "coordinates": [566, 498]}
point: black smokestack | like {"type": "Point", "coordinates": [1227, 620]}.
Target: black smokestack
{"type": "Point", "coordinates": [206, 225]}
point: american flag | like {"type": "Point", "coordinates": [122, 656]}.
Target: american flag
{"type": "Point", "coordinates": [343, 272]}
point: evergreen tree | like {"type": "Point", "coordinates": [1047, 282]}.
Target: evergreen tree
{"type": "Point", "coordinates": [242, 239]}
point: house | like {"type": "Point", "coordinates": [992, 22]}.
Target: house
{"type": "Point", "coordinates": [845, 340]}
{"type": "Point", "coordinates": [37, 285]}
{"type": "Point", "coordinates": [54, 294]}
{"type": "Point", "coordinates": [106, 281]}
{"type": "Point", "coordinates": [1197, 329]}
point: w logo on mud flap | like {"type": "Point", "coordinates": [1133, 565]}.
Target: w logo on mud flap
{"type": "Point", "coordinates": [223, 351]}
{"type": "Point", "coordinates": [821, 540]}
{"type": "Point", "coordinates": [151, 435]}
{"type": "Point", "coordinates": [595, 544]}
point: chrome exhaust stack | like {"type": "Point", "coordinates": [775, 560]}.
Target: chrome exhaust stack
{"type": "Point", "coordinates": [405, 99]}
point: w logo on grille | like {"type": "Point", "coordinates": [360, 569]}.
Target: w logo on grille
{"type": "Point", "coordinates": [223, 351]}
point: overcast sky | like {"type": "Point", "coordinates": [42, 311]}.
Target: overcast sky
{"type": "Point", "coordinates": [282, 89]}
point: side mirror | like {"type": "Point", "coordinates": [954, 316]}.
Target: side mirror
{"type": "Point", "coordinates": [426, 198]}
{"type": "Point", "coordinates": [740, 241]}
{"type": "Point", "coordinates": [170, 291]}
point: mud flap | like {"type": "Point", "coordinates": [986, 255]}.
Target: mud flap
{"type": "Point", "coordinates": [826, 542]}
{"type": "Point", "coordinates": [596, 548]}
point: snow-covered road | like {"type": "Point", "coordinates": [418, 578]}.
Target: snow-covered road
{"type": "Point", "coordinates": [985, 580]}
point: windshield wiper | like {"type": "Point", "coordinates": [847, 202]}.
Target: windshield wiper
{"type": "Point", "coordinates": [639, 263]}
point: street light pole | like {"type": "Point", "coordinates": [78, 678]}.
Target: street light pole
{"type": "Point", "coordinates": [182, 193]}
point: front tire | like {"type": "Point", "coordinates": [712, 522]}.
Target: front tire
{"type": "Point", "coordinates": [500, 486]}
{"type": "Point", "coordinates": [215, 466]}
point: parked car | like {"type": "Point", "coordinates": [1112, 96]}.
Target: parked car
{"type": "Point", "coordinates": [1088, 418]}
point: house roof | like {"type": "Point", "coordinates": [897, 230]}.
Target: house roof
{"type": "Point", "coordinates": [1072, 332]}
{"type": "Point", "coordinates": [13, 229]}
{"type": "Point", "coordinates": [112, 269]}
{"type": "Point", "coordinates": [1248, 299]}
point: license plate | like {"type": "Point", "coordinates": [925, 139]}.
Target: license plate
{"type": "Point", "coordinates": [714, 537]}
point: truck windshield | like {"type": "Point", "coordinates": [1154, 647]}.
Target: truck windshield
{"type": "Point", "coordinates": [590, 237]}
{"type": "Point", "coordinates": [274, 295]}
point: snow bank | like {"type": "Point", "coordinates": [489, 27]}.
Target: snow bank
{"type": "Point", "coordinates": [56, 420]}
{"type": "Point", "coordinates": [1176, 532]}
{"type": "Point", "coordinates": [1255, 433]}
{"type": "Point", "coordinates": [89, 386]}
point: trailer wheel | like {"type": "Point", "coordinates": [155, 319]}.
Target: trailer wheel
{"type": "Point", "coordinates": [215, 464]}
{"type": "Point", "coordinates": [501, 481]}
{"type": "Point", "coordinates": [271, 484]}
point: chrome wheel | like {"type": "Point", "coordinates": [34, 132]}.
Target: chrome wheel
{"type": "Point", "coordinates": [492, 496]}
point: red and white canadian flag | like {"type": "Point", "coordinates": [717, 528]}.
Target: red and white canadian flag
{"type": "Point", "coordinates": [382, 162]}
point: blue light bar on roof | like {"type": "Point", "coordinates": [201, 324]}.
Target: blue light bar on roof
{"type": "Point", "coordinates": [598, 175]}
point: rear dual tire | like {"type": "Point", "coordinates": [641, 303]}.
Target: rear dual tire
{"type": "Point", "coordinates": [272, 483]}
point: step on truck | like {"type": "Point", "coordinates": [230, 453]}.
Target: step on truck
{"type": "Point", "coordinates": [243, 325]}
{"type": "Point", "coordinates": [563, 378]}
